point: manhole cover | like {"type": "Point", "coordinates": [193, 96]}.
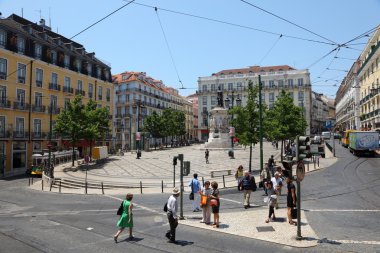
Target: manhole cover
{"type": "Point", "coordinates": [265, 229]}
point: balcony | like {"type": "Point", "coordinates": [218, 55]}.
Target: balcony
{"type": "Point", "coordinates": [39, 83]}
{"type": "Point", "coordinates": [80, 92]}
{"type": "Point", "coordinates": [20, 135]}
{"type": "Point", "coordinates": [54, 110]}
{"type": "Point", "coordinates": [100, 97]}
{"type": "Point", "coordinates": [21, 106]}
{"type": "Point", "coordinates": [5, 134]}
{"type": "Point", "coordinates": [108, 99]}
{"type": "Point", "coordinates": [21, 79]}
{"type": "Point", "coordinates": [5, 103]}
{"type": "Point", "coordinates": [90, 94]}
{"type": "Point", "coordinates": [39, 108]}
{"type": "Point", "coordinates": [3, 76]}
{"type": "Point", "coordinates": [68, 89]}
{"type": "Point", "coordinates": [38, 135]}
{"type": "Point", "coordinates": [54, 86]}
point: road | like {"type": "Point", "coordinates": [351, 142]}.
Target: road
{"type": "Point", "coordinates": [342, 203]}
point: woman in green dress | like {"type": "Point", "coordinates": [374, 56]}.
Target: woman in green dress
{"type": "Point", "coordinates": [126, 219]}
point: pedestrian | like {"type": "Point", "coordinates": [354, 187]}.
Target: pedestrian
{"type": "Point", "coordinates": [126, 218]}
{"type": "Point", "coordinates": [215, 208]}
{"type": "Point", "coordinates": [172, 206]}
{"type": "Point", "coordinates": [276, 144]}
{"type": "Point", "coordinates": [291, 199]}
{"type": "Point", "coordinates": [206, 210]}
{"type": "Point", "coordinates": [265, 177]}
{"type": "Point", "coordinates": [248, 185]}
{"type": "Point", "coordinates": [239, 174]}
{"type": "Point", "coordinates": [271, 200]}
{"type": "Point", "coordinates": [271, 165]}
{"type": "Point", "coordinates": [277, 184]}
{"type": "Point", "coordinates": [207, 154]}
{"type": "Point", "coordinates": [294, 149]}
{"type": "Point", "coordinates": [195, 188]}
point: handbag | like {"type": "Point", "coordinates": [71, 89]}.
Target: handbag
{"type": "Point", "coordinates": [261, 184]}
{"type": "Point", "coordinates": [213, 202]}
{"type": "Point", "coordinates": [166, 207]}
{"type": "Point", "coordinates": [203, 200]}
{"type": "Point", "coordinates": [294, 213]}
{"type": "Point", "coordinates": [121, 209]}
{"type": "Point", "coordinates": [191, 195]}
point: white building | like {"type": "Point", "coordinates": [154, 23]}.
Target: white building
{"type": "Point", "coordinates": [234, 84]}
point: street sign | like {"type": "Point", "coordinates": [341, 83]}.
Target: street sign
{"type": "Point", "coordinates": [138, 136]}
{"type": "Point", "coordinates": [300, 171]}
{"type": "Point", "coordinates": [329, 124]}
{"type": "Point", "coordinates": [314, 149]}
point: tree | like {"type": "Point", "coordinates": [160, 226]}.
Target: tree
{"type": "Point", "coordinates": [285, 120]}
{"type": "Point", "coordinates": [96, 124]}
{"type": "Point", "coordinates": [154, 125]}
{"type": "Point", "coordinates": [246, 120]}
{"type": "Point", "coordinates": [70, 123]}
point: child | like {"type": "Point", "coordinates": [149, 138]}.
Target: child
{"type": "Point", "coordinates": [272, 200]}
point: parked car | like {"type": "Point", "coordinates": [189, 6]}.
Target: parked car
{"type": "Point", "coordinates": [326, 135]}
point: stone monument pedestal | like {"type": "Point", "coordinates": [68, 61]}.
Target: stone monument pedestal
{"type": "Point", "coordinates": [219, 129]}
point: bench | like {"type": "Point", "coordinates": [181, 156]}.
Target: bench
{"type": "Point", "coordinates": [220, 173]}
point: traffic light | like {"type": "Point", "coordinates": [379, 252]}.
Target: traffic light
{"type": "Point", "coordinates": [175, 160]}
{"type": "Point", "coordinates": [186, 168]}
{"type": "Point", "coordinates": [303, 148]}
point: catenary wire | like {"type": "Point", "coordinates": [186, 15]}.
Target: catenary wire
{"type": "Point", "coordinates": [288, 21]}
{"type": "Point", "coordinates": [167, 45]}
{"type": "Point", "coordinates": [270, 49]}
{"type": "Point", "coordinates": [236, 25]}
{"type": "Point", "coordinates": [85, 29]}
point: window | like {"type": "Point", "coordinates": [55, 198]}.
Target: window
{"type": "Point", "coordinates": [3, 39]}
{"type": "Point", "coordinates": [39, 77]}
{"type": "Point", "coordinates": [20, 45]}
{"type": "Point", "coordinates": [21, 73]}
{"type": "Point", "coordinates": [37, 51]}
{"type": "Point", "coordinates": [221, 86]}
{"type": "Point", "coordinates": [230, 86]}
{"type": "Point", "coordinates": [54, 79]}
{"type": "Point", "coordinates": [2, 127]}
{"type": "Point", "coordinates": [204, 87]}
{"type": "Point", "coordinates": [3, 95]}
{"type": "Point", "coordinates": [291, 94]}
{"type": "Point", "coordinates": [19, 126]}
{"type": "Point", "coordinates": [271, 97]}
{"type": "Point", "coordinates": [67, 102]}
{"type": "Point", "coordinates": [37, 127]}
{"type": "Point", "coordinates": [213, 87]}
{"type": "Point", "coordinates": [108, 94]}
{"type": "Point", "coordinates": [98, 72]}
{"type": "Point", "coordinates": [300, 95]}
{"type": "Point", "coordinates": [290, 83]}
{"type": "Point", "coordinates": [100, 92]}
{"type": "Point", "coordinates": [53, 57]}
{"type": "Point", "coordinates": [213, 100]}
{"type": "Point", "coordinates": [66, 61]}
{"type": "Point", "coordinates": [3, 69]}
{"type": "Point", "coordinates": [38, 99]}
{"type": "Point", "coordinates": [262, 83]}
{"type": "Point", "coordinates": [300, 81]}
{"type": "Point", "coordinates": [90, 90]}
{"type": "Point", "coordinates": [239, 85]}
{"type": "Point", "coordinates": [204, 100]}
{"type": "Point", "coordinates": [79, 85]}
{"type": "Point", "coordinates": [78, 65]}
{"type": "Point", "coordinates": [281, 83]}
{"type": "Point", "coordinates": [53, 102]}
{"type": "Point", "coordinates": [271, 84]}
{"type": "Point", "coordinates": [263, 97]}
{"type": "Point", "coordinates": [67, 82]}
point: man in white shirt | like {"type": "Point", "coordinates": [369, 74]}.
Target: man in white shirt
{"type": "Point", "coordinates": [172, 215]}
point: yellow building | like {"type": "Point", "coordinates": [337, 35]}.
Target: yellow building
{"type": "Point", "coordinates": [41, 71]}
{"type": "Point", "coordinates": [368, 75]}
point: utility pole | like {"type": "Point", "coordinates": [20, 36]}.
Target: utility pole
{"type": "Point", "coordinates": [50, 165]}
{"type": "Point", "coordinates": [180, 157]}
{"type": "Point", "coordinates": [261, 124]}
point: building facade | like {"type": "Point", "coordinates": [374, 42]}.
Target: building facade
{"type": "Point", "coordinates": [40, 72]}
{"type": "Point", "coordinates": [194, 101]}
{"type": "Point", "coordinates": [137, 95]}
{"type": "Point", "coordinates": [319, 113]}
{"type": "Point", "coordinates": [234, 84]}
{"type": "Point", "coordinates": [368, 76]}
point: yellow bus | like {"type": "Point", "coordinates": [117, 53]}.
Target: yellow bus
{"type": "Point", "coordinates": [346, 137]}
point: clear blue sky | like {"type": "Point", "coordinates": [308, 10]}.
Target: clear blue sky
{"type": "Point", "coordinates": [132, 38]}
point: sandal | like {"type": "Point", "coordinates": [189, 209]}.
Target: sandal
{"type": "Point", "coordinates": [267, 221]}
{"type": "Point", "coordinates": [115, 239]}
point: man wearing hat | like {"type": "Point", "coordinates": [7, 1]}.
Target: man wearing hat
{"type": "Point", "coordinates": [172, 214]}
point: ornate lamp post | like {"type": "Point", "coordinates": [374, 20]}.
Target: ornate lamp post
{"type": "Point", "coordinates": [138, 106]}
{"type": "Point", "coordinates": [238, 103]}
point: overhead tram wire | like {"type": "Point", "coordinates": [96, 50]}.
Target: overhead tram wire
{"type": "Point", "coordinates": [288, 21]}
{"type": "Point", "coordinates": [167, 45]}
{"type": "Point", "coordinates": [85, 29]}
{"type": "Point", "coordinates": [236, 25]}
{"type": "Point", "coordinates": [270, 50]}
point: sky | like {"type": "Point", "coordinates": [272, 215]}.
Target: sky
{"type": "Point", "coordinates": [184, 40]}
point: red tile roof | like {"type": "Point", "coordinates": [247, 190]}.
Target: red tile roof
{"type": "Point", "coordinates": [254, 69]}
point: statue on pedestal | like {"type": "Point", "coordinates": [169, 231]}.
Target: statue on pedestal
{"type": "Point", "coordinates": [220, 97]}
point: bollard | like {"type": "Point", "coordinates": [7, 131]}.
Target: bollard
{"type": "Point", "coordinates": [42, 184]}
{"type": "Point", "coordinates": [29, 181]}
{"type": "Point", "coordinates": [308, 165]}
{"type": "Point", "coordinates": [224, 182]}
{"type": "Point", "coordinates": [162, 186]}
{"type": "Point", "coordinates": [51, 185]}
{"type": "Point", "coordinates": [203, 182]}
{"type": "Point", "coordinates": [60, 184]}
{"type": "Point", "coordinates": [318, 161]}
{"type": "Point", "coordinates": [314, 163]}
{"type": "Point", "coordinates": [102, 189]}
{"type": "Point", "coordinates": [85, 187]}
{"type": "Point", "coordinates": [140, 187]}
{"type": "Point", "coordinates": [32, 180]}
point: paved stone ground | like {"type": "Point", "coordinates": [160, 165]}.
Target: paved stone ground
{"type": "Point", "coordinates": [156, 167]}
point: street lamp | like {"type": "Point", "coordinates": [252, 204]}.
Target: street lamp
{"type": "Point", "coordinates": [238, 103]}
{"type": "Point", "coordinates": [138, 105]}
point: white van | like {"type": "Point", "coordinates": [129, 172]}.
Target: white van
{"type": "Point", "coordinates": [326, 135]}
